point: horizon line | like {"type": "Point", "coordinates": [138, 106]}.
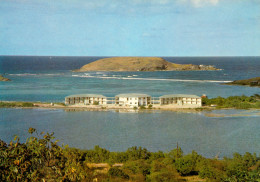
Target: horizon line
{"type": "Point", "coordinates": [118, 56]}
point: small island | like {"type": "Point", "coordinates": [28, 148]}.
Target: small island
{"type": "Point", "coordinates": [252, 82]}
{"type": "Point", "coordinates": [140, 64]}
{"type": "Point", "coordinates": [4, 79]}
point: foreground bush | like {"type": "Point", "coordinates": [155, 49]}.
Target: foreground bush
{"type": "Point", "coordinates": [40, 158]}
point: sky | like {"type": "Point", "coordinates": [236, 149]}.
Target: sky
{"type": "Point", "coordinates": [130, 27]}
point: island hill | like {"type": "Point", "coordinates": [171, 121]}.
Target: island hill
{"type": "Point", "coordinates": [253, 82]}
{"type": "Point", "coordinates": [4, 79]}
{"type": "Point", "coordinates": [139, 64]}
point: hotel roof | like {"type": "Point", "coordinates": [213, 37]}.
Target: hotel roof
{"type": "Point", "coordinates": [86, 95]}
{"type": "Point", "coordinates": [132, 95]}
{"type": "Point", "coordinates": [179, 95]}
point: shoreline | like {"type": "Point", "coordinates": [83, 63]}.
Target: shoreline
{"type": "Point", "coordinates": [46, 105]}
{"type": "Point", "coordinates": [54, 106]}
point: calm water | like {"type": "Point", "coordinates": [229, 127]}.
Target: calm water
{"type": "Point", "coordinates": [50, 79]}
{"type": "Point", "coordinates": [155, 131]}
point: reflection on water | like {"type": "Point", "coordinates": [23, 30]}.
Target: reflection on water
{"type": "Point", "coordinates": [233, 113]}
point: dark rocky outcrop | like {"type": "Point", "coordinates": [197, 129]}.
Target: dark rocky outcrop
{"type": "Point", "coordinates": [253, 82]}
{"type": "Point", "coordinates": [4, 79]}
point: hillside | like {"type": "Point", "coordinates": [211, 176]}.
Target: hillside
{"type": "Point", "coordinates": [139, 64]}
{"type": "Point", "coordinates": [253, 82]}
{"type": "Point", "coordinates": [4, 79]}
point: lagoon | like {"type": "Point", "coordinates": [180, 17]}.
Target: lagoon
{"type": "Point", "coordinates": [157, 130]}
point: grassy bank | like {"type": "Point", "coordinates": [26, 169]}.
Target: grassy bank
{"type": "Point", "coordinates": [41, 159]}
{"type": "Point", "coordinates": [16, 104]}
{"type": "Point", "coordinates": [237, 102]}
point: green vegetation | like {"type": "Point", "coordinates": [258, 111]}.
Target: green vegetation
{"type": "Point", "coordinates": [60, 103]}
{"type": "Point", "coordinates": [16, 104]}
{"type": "Point", "coordinates": [40, 158]}
{"type": "Point", "coordinates": [238, 102]}
{"type": "Point", "coordinates": [96, 103]}
{"type": "Point", "coordinates": [142, 107]}
{"type": "Point", "coordinates": [253, 82]}
{"type": "Point", "coordinates": [4, 79]}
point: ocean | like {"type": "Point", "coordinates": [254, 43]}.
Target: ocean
{"type": "Point", "coordinates": [50, 79]}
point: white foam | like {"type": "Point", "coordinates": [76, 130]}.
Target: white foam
{"type": "Point", "coordinates": [154, 79]}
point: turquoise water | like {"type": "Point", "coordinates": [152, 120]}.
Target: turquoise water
{"type": "Point", "coordinates": [50, 79]}
{"type": "Point", "coordinates": [155, 131]}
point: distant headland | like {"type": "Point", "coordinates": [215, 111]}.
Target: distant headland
{"type": "Point", "coordinates": [252, 82]}
{"type": "Point", "coordinates": [4, 79]}
{"type": "Point", "coordinates": [140, 64]}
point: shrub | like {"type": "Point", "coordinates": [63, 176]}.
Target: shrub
{"type": "Point", "coordinates": [142, 107]}
{"type": "Point", "coordinates": [96, 103]}
{"type": "Point", "coordinates": [27, 104]}
{"type": "Point", "coordinates": [184, 165]}
{"type": "Point", "coordinates": [138, 167]}
{"type": "Point", "coordinates": [116, 172]}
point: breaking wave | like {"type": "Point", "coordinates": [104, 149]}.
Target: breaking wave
{"type": "Point", "coordinates": [150, 79]}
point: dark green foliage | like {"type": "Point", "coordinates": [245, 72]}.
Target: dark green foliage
{"type": "Point", "coordinates": [237, 168]}
{"type": "Point", "coordinates": [135, 153]}
{"type": "Point", "coordinates": [138, 166]}
{"type": "Point", "coordinates": [175, 154]}
{"type": "Point", "coordinates": [250, 82]}
{"type": "Point", "coordinates": [150, 106]}
{"type": "Point", "coordinates": [185, 165]}
{"type": "Point", "coordinates": [162, 172]}
{"type": "Point", "coordinates": [96, 103]}
{"type": "Point", "coordinates": [16, 104]}
{"type": "Point", "coordinates": [162, 176]}
{"type": "Point", "coordinates": [157, 155]}
{"type": "Point", "coordinates": [97, 155]}
{"type": "Point", "coordinates": [27, 104]}
{"type": "Point", "coordinates": [238, 102]}
{"type": "Point", "coordinates": [116, 172]}
{"type": "Point", "coordinates": [41, 159]}
{"type": "Point", "coordinates": [142, 107]}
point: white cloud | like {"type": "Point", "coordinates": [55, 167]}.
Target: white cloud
{"type": "Point", "coordinates": [200, 3]}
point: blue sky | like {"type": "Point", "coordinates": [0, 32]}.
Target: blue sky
{"type": "Point", "coordinates": [130, 27]}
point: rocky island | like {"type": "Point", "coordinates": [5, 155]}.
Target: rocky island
{"type": "Point", "coordinates": [4, 79]}
{"type": "Point", "coordinates": [139, 64]}
{"type": "Point", "coordinates": [252, 82]}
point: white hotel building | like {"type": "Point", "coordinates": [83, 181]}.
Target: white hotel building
{"type": "Point", "coordinates": [133, 99]}
{"type": "Point", "coordinates": [181, 100]}
{"type": "Point", "coordinates": [136, 100]}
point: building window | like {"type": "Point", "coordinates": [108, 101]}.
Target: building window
{"type": "Point", "coordinates": [135, 102]}
{"type": "Point", "coordinates": [130, 102]}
